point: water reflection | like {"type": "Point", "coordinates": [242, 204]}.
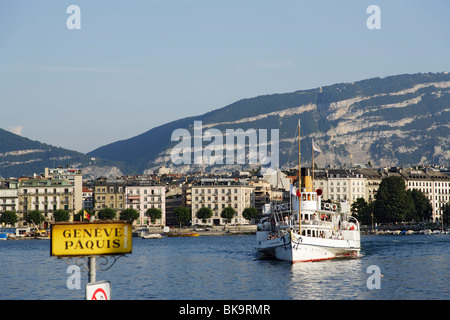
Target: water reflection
{"type": "Point", "coordinates": [334, 279]}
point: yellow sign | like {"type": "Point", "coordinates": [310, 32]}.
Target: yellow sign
{"type": "Point", "coordinates": [90, 238]}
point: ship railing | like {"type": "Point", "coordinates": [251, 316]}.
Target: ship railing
{"type": "Point", "coordinates": [317, 223]}
{"type": "Point", "coordinates": [349, 222]}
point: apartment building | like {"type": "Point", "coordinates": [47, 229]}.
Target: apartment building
{"type": "Point", "coordinates": [341, 184]}
{"type": "Point", "coordinates": [218, 194]}
{"type": "Point", "coordinates": [9, 195]}
{"type": "Point", "coordinates": [109, 194]}
{"type": "Point", "coordinates": [88, 198]}
{"type": "Point", "coordinates": [74, 177]}
{"type": "Point", "coordinates": [264, 194]}
{"type": "Point", "coordinates": [144, 195]}
{"type": "Point", "coordinates": [434, 185]}
{"type": "Point", "coordinates": [373, 180]}
{"type": "Point", "coordinates": [44, 195]}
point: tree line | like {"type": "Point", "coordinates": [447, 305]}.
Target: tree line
{"type": "Point", "coordinates": [394, 203]}
{"type": "Point", "coordinates": [35, 216]}
{"type": "Point", "coordinates": [182, 215]}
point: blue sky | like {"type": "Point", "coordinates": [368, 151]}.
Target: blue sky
{"type": "Point", "coordinates": [135, 65]}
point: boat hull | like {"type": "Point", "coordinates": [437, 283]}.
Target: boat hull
{"type": "Point", "coordinates": [183, 234]}
{"type": "Point", "coordinates": [304, 249]}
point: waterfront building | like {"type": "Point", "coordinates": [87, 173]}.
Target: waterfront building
{"type": "Point", "coordinates": [9, 195]}
{"type": "Point", "coordinates": [74, 177]}
{"type": "Point", "coordinates": [174, 199]}
{"type": "Point", "coordinates": [109, 194]}
{"type": "Point", "coordinates": [265, 194]}
{"type": "Point", "coordinates": [217, 194]}
{"type": "Point", "coordinates": [143, 195]}
{"type": "Point", "coordinates": [435, 185]}
{"type": "Point", "coordinates": [45, 195]}
{"type": "Point", "coordinates": [373, 180]}
{"type": "Point", "coordinates": [88, 198]}
{"type": "Point", "coordinates": [340, 184]}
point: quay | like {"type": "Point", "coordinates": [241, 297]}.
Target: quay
{"type": "Point", "coordinates": [208, 231]}
{"type": "Point", "coordinates": [405, 229]}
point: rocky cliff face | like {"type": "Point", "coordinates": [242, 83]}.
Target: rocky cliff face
{"type": "Point", "coordinates": [396, 120]}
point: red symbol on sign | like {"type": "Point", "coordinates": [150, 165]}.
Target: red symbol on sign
{"type": "Point", "coordinates": [99, 294]}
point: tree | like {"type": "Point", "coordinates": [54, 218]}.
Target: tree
{"type": "Point", "coordinates": [182, 214]}
{"type": "Point", "coordinates": [446, 213]}
{"type": "Point", "coordinates": [61, 215]}
{"type": "Point", "coordinates": [228, 213]}
{"type": "Point", "coordinates": [362, 211]}
{"type": "Point", "coordinates": [129, 215]}
{"type": "Point", "coordinates": [250, 213]}
{"type": "Point", "coordinates": [204, 213]}
{"type": "Point", "coordinates": [35, 216]}
{"type": "Point", "coordinates": [392, 202]}
{"type": "Point", "coordinates": [154, 214]}
{"type": "Point", "coordinates": [107, 214]}
{"type": "Point", "coordinates": [423, 209]}
{"type": "Point", "coordinates": [9, 217]}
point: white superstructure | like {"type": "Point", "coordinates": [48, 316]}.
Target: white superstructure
{"type": "Point", "coordinates": [326, 231]}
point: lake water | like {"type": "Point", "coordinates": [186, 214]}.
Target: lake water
{"type": "Point", "coordinates": [227, 268]}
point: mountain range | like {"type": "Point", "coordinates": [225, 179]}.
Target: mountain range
{"type": "Point", "coordinates": [396, 120]}
{"type": "Point", "coordinates": [20, 156]}
{"type": "Point", "coordinates": [391, 121]}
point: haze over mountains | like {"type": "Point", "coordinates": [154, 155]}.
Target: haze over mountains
{"type": "Point", "coordinates": [397, 120]}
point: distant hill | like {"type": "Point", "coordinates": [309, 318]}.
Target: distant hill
{"type": "Point", "coordinates": [397, 120]}
{"type": "Point", "coordinates": [21, 156]}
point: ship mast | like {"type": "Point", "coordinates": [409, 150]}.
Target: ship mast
{"type": "Point", "coordinates": [299, 183]}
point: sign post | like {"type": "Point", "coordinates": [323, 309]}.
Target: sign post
{"type": "Point", "coordinates": [92, 240]}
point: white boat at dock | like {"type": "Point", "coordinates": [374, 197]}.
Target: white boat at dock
{"type": "Point", "coordinates": [323, 233]}
{"type": "Point", "coordinates": [152, 236]}
{"type": "Point", "coordinates": [305, 229]}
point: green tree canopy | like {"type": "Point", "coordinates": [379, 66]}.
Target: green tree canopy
{"type": "Point", "coordinates": [35, 216]}
{"type": "Point", "coordinates": [61, 215]}
{"type": "Point", "coordinates": [154, 214]}
{"type": "Point", "coordinates": [362, 211]}
{"type": "Point", "coordinates": [9, 217]}
{"type": "Point", "coordinates": [250, 213]}
{"type": "Point", "coordinates": [446, 213]}
{"type": "Point", "coordinates": [107, 214]}
{"type": "Point", "coordinates": [392, 202]}
{"type": "Point", "coordinates": [228, 213]}
{"type": "Point", "coordinates": [423, 209]}
{"type": "Point", "coordinates": [129, 215]}
{"type": "Point", "coordinates": [182, 215]}
{"type": "Point", "coordinates": [204, 213]}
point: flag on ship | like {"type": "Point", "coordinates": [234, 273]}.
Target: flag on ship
{"type": "Point", "coordinates": [295, 191]}
{"type": "Point", "coordinates": [86, 215]}
{"type": "Point", "coordinates": [315, 146]}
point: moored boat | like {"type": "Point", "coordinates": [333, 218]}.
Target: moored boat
{"type": "Point", "coordinates": [305, 229]}
{"type": "Point", "coordinates": [152, 236]}
{"type": "Point", "coordinates": [182, 234]}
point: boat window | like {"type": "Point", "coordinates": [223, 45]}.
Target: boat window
{"type": "Point", "coordinates": [304, 197]}
{"type": "Point", "coordinates": [309, 197]}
